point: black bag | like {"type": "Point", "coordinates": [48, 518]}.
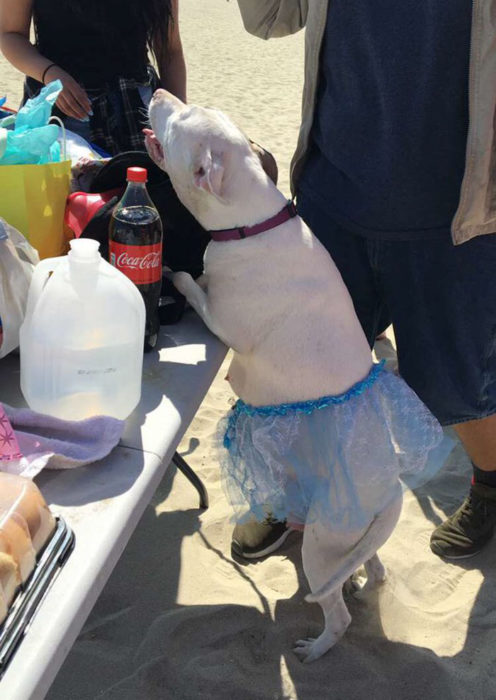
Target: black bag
{"type": "Point", "coordinates": [184, 240]}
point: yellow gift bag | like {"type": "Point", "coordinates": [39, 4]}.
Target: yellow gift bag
{"type": "Point", "coordinates": [32, 200]}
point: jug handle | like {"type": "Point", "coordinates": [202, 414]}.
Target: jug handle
{"type": "Point", "coordinates": [38, 281]}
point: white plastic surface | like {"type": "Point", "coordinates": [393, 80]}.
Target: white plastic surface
{"type": "Point", "coordinates": [103, 502]}
{"type": "Point", "coordinates": [82, 338]}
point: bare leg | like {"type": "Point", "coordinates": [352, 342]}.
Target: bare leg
{"type": "Point", "coordinates": [465, 532]}
{"type": "Point", "coordinates": [479, 439]}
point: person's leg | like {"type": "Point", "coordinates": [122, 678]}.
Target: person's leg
{"type": "Point", "coordinates": [351, 255]}
{"type": "Point", "coordinates": [354, 258]}
{"type": "Point", "coordinates": [442, 299]}
{"type": "Point", "coordinates": [472, 526]}
{"type": "Point", "coordinates": [479, 439]}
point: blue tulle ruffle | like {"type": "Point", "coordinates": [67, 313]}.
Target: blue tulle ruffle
{"type": "Point", "coordinates": [336, 459]}
{"type": "Point", "coordinates": [306, 407]}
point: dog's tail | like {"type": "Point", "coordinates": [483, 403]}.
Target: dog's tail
{"type": "Point", "coordinates": [375, 536]}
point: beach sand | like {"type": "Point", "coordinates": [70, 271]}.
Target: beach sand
{"type": "Point", "coordinates": [179, 618]}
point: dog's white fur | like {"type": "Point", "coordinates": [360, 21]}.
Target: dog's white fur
{"type": "Point", "coordinates": [279, 302]}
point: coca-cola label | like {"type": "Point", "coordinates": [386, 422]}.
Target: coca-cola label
{"type": "Point", "coordinates": [141, 263]}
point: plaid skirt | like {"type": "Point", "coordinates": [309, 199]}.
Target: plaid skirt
{"type": "Point", "coordinates": [119, 112]}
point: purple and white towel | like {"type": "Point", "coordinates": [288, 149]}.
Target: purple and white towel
{"type": "Point", "coordinates": [31, 441]}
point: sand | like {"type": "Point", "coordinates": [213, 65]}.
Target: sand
{"type": "Point", "coordinates": [179, 618]}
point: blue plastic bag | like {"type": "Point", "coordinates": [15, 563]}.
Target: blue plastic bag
{"type": "Point", "coordinates": [38, 110]}
{"type": "Point", "coordinates": [31, 147]}
{"type": "Point", "coordinates": [33, 140]}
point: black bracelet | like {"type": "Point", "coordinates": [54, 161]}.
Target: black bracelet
{"type": "Point", "coordinates": [50, 65]}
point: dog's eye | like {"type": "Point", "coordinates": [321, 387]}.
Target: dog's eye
{"type": "Point", "coordinates": [200, 171]}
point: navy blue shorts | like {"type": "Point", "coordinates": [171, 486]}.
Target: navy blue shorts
{"type": "Point", "coordinates": [441, 300]}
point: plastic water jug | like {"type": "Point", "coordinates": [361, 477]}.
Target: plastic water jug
{"type": "Point", "coordinates": [81, 341]}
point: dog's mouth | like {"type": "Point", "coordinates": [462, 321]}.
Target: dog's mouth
{"type": "Point", "coordinates": [154, 147]}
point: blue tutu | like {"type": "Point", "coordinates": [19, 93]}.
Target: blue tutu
{"type": "Point", "coordinates": [335, 459]}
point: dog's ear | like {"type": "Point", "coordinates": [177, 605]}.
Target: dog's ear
{"type": "Point", "coordinates": [208, 172]}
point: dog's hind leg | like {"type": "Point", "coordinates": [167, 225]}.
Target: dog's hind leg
{"type": "Point", "coordinates": [329, 559]}
{"type": "Point", "coordinates": [323, 553]}
{"type": "Point", "coordinates": [364, 548]}
{"type": "Point", "coordinates": [376, 574]}
{"type": "Point", "coordinates": [337, 619]}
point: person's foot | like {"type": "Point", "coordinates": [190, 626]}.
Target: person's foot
{"type": "Point", "coordinates": [470, 528]}
{"type": "Point", "coordinates": [254, 539]}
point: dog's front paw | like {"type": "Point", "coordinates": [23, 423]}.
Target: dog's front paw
{"type": "Point", "coordinates": [182, 281]}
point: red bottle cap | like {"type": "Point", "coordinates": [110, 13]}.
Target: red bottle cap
{"type": "Point", "coordinates": [137, 175]}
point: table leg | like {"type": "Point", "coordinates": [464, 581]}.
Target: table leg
{"type": "Point", "coordinates": [183, 466]}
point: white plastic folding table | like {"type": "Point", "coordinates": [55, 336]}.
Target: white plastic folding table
{"type": "Point", "coordinates": [103, 502]}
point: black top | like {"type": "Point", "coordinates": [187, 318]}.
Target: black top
{"type": "Point", "coordinates": [391, 122]}
{"type": "Point", "coordinates": [95, 41]}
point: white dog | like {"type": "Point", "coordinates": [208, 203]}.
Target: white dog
{"type": "Point", "coordinates": [278, 300]}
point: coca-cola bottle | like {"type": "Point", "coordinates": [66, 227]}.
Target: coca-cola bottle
{"type": "Point", "coordinates": [135, 246]}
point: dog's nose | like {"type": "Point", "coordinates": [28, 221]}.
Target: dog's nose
{"type": "Point", "coordinates": [159, 94]}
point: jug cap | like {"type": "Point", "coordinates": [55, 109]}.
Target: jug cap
{"type": "Point", "coordinates": [84, 250]}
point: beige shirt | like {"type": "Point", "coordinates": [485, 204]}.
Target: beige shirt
{"type": "Point", "coordinates": [476, 213]}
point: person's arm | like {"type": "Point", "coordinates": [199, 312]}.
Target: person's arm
{"type": "Point", "coordinates": [171, 63]}
{"type": "Point", "coordinates": [15, 22]}
{"type": "Point", "coordinates": [273, 18]}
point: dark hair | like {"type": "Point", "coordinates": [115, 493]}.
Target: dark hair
{"type": "Point", "coordinates": [157, 14]}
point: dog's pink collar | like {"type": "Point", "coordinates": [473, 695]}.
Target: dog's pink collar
{"type": "Point", "coordinates": [233, 234]}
